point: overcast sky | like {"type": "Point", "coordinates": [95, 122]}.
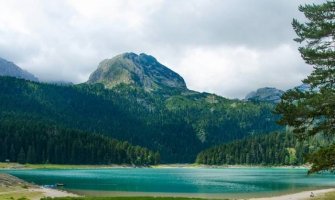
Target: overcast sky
{"type": "Point", "coordinates": [228, 47]}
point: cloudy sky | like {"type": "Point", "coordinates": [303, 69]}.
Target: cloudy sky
{"type": "Point", "coordinates": [228, 47]}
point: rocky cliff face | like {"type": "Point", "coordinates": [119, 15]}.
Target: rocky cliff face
{"type": "Point", "coordinates": [139, 70]}
{"type": "Point", "coordinates": [266, 94]}
{"type": "Point", "coordinates": [8, 68]}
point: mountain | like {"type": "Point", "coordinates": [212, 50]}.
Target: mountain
{"type": "Point", "coordinates": [273, 95]}
{"type": "Point", "coordinates": [8, 68]}
{"type": "Point", "coordinates": [178, 125]}
{"type": "Point", "coordinates": [266, 94]}
{"type": "Point", "coordinates": [139, 70]}
{"type": "Point", "coordinates": [306, 88]}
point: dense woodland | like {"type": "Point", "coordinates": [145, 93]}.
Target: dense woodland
{"type": "Point", "coordinates": [177, 124]}
{"type": "Point", "coordinates": [29, 141]}
{"type": "Point", "coordinates": [271, 149]}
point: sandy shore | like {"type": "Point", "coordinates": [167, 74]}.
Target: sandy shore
{"type": "Point", "coordinates": [298, 196]}
{"type": "Point", "coordinates": [48, 192]}
{"type": "Point", "coordinates": [304, 195]}
{"type": "Point", "coordinates": [13, 187]}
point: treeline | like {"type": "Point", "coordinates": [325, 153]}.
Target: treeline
{"type": "Point", "coordinates": [39, 142]}
{"type": "Point", "coordinates": [272, 149]}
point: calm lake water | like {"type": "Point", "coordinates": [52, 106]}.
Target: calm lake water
{"type": "Point", "coordinates": [222, 181]}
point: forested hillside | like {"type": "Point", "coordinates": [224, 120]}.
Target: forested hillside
{"type": "Point", "coordinates": [32, 141]}
{"type": "Point", "coordinates": [271, 149]}
{"type": "Point", "coordinates": [176, 124]}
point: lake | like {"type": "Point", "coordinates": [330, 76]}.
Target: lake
{"type": "Point", "coordinates": [215, 182]}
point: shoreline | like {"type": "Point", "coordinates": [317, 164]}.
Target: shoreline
{"type": "Point", "coordinates": [298, 195]}
{"type": "Point", "coordinates": [50, 192]}
{"type": "Point", "coordinates": [16, 166]}
{"type": "Point", "coordinates": [229, 166]}
{"type": "Point", "coordinates": [12, 187]}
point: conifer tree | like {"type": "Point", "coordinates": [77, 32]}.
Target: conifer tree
{"type": "Point", "coordinates": [313, 112]}
{"type": "Point", "coordinates": [21, 158]}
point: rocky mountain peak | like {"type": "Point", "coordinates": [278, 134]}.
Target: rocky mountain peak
{"type": "Point", "coordinates": [266, 94]}
{"type": "Point", "coordinates": [140, 70]}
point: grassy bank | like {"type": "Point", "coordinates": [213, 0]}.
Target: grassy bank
{"type": "Point", "coordinates": [327, 196]}
{"type": "Point", "coordinates": [14, 188]}
{"type": "Point", "coordinates": [56, 166]}
{"type": "Point", "coordinates": [122, 198]}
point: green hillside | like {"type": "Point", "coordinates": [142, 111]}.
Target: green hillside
{"type": "Point", "coordinates": [35, 141]}
{"type": "Point", "coordinates": [271, 149]}
{"type": "Point", "coordinates": [178, 126]}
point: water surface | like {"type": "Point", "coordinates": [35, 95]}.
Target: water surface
{"type": "Point", "coordinates": [250, 182]}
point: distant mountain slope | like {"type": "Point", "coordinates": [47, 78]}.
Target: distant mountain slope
{"type": "Point", "coordinates": [138, 70]}
{"type": "Point", "coordinates": [10, 69]}
{"type": "Point", "coordinates": [266, 94]}
{"type": "Point", "coordinates": [273, 95]}
{"type": "Point", "coordinates": [305, 87]}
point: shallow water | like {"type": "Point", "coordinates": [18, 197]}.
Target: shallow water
{"type": "Point", "coordinates": [219, 181]}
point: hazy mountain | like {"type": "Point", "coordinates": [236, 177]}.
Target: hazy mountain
{"type": "Point", "coordinates": [273, 95]}
{"type": "Point", "coordinates": [139, 70]}
{"type": "Point", "coordinates": [305, 87]}
{"type": "Point", "coordinates": [8, 68]}
{"type": "Point", "coordinates": [266, 94]}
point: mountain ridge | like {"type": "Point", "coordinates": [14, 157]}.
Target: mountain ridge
{"type": "Point", "coordinates": [272, 94]}
{"type": "Point", "coordinates": [265, 94]}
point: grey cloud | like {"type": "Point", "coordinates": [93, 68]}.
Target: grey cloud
{"type": "Point", "coordinates": [61, 42]}
{"type": "Point", "coordinates": [256, 23]}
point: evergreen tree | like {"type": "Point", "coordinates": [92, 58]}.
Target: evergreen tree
{"type": "Point", "coordinates": [31, 157]}
{"type": "Point", "coordinates": [21, 158]}
{"type": "Point", "coordinates": [12, 153]}
{"type": "Point", "coordinates": [313, 112]}
{"type": "Point", "coordinates": [41, 142]}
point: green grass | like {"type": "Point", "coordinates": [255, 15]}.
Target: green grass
{"type": "Point", "coordinates": [19, 194]}
{"type": "Point", "coordinates": [121, 198]}
{"type": "Point", "coordinates": [57, 166]}
{"type": "Point", "coordinates": [54, 166]}
{"type": "Point", "coordinates": [327, 196]}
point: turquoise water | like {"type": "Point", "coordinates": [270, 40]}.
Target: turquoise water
{"type": "Point", "coordinates": [255, 181]}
